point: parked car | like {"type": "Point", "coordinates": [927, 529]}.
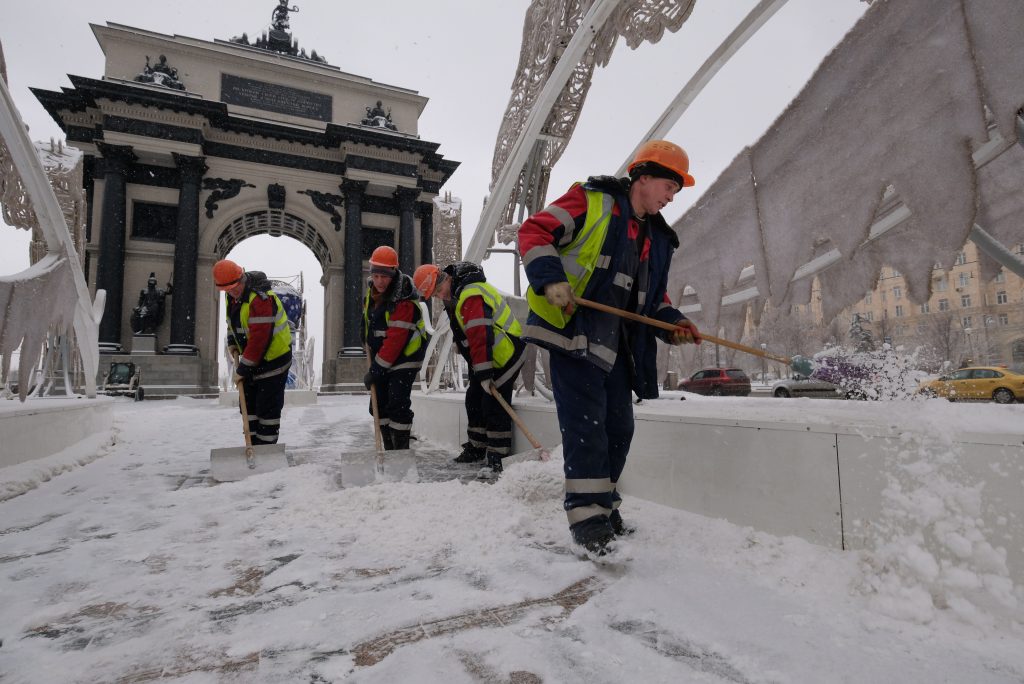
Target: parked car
{"type": "Point", "coordinates": [718, 382]}
{"type": "Point", "coordinates": [999, 384]}
{"type": "Point", "coordinates": [802, 386]}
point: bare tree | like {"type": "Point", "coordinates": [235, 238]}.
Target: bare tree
{"type": "Point", "coordinates": [942, 334]}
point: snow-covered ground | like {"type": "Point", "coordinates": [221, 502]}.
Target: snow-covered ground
{"type": "Point", "coordinates": [127, 564]}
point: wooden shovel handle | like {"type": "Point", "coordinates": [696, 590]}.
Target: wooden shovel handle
{"type": "Point", "coordinates": [668, 326]}
{"type": "Point", "coordinates": [515, 417]}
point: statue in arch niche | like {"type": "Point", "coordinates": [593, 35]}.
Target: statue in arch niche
{"type": "Point", "coordinates": [149, 313]}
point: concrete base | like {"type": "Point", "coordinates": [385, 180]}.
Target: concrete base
{"type": "Point", "coordinates": [343, 374]}
{"type": "Point", "coordinates": [166, 374]}
{"type": "Point", "coordinates": [816, 470]}
{"type": "Point", "coordinates": [42, 427]}
{"type": "Point", "coordinates": [291, 398]}
{"type": "Point", "coordinates": [143, 344]}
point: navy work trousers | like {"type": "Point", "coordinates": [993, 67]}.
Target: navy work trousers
{"type": "Point", "coordinates": [264, 400]}
{"type": "Point", "coordinates": [595, 416]}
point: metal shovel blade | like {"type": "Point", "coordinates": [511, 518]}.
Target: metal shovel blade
{"type": "Point", "coordinates": [236, 463]}
{"type": "Point", "coordinates": [358, 469]}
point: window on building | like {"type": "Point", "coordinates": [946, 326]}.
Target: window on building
{"type": "Point", "coordinates": [943, 305]}
{"type": "Point", "coordinates": [870, 315]}
{"type": "Point", "coordinates": [899, 311]}
{"type": "Point", "coordinates": [897, 293]}
{"type": "Point", "coordinates": [941, 285]}
{"type": "Point", "coordinates": [867, 298]}
{"type": "Point", "coordinates": [965, 301]}
{"type": "Point", "coordinates": [925, 308]}
{"type": "Point", "coordinates": [895, 273]}
{"type": "Point", "coordinates": [961, 259]}
{"type": "Point", "coordinates": [1001, 297]}
{"type": "Point", "coordinates": [965, 321]}
{"type": "Point", "coordinates": [901, 330]}
{"type": "Point", "coordinates": [964, 279]}
{"type": "Point", "coordinates": [883, 295]}
{"type": "Point", "coordinates": [1004, 319]}
{"type": "Point", "coordinates": [1000, 277]}
{"type": "Point", "coordinates": [1019, 248]}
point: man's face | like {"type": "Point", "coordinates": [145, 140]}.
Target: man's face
{"type": "Point", "coordinates": [380, 281]}
{"type": "Point", "coordinates": [236, 290]}
{"type": "Point", "coordinates": [443, 291]}
{"type": "Point", "coordinates": [649, 194]}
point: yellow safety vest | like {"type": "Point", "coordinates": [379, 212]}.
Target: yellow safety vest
{"type": "Point", "coordinates": [580, 257]}
{"type": "Point", "coordinates": [416, 336]}
{"type": "Point", "coordinates": [503, 323]}
{"type": "Point", "coordinates": [281, 339]}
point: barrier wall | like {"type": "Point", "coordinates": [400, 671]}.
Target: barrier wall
{"type": "Point", "coordinates": [45, 426]}
{"type": "Point", "coordinates": [812, 469]}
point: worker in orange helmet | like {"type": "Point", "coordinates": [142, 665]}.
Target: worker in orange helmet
{"type": "Point", "coordinates": [260, 339]}
{"type": "Point", "coordinates": [604, 240]}
{"type": "Point", "coordinates": [487, 335]}
{"type": "Point", "coordinates": [395, 338]}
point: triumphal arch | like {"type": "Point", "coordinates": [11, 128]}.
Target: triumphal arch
{"type": "Point", "coordinates": [191, 146]}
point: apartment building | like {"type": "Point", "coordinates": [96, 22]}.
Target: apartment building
{"type": "Point", "coordinates": [964, 319]}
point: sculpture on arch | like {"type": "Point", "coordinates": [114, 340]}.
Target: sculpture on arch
{"type": "Point", "coordinates": [377, 116]}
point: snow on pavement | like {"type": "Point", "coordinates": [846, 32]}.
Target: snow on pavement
{"type": "Point", "coordinates": [132, 566]}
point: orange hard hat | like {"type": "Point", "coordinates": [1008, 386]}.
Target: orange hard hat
{"type": "Point", "coordinates": [384, 256]}
{"type": "Point", "coordinates": [226, 274]}
{"type": "Point", "coordinates": [666, 155]}
{"type": "Point", "coordinates": [425, 279]}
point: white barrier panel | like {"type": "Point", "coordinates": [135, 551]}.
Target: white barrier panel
{"type": "Point", "coordinates": [44, 426]}
{"type": "Point", "coordinates": [813, 469]}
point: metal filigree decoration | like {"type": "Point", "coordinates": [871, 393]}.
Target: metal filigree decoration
{"type": "Point", "coordinates": [548, 27]}
{"type": "Point", "coordinates": [222, 189]}
{"type": "Point", "coordinates": [447, 230]}
{"type": "Point", "coordinates": [326, 202]}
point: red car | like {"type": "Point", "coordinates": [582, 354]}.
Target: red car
{"type": "Point", "coordinates": [718, 382]}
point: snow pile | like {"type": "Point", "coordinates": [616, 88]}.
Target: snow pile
{"type": "Point", "coordinates": [886, 373]}
{"type": "Point", "coordinates": [17, 479]}
{"type": "Point", "coordinates": [933, 556]}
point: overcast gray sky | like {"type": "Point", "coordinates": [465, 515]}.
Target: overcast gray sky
{"type": "Point", "coordinates": [462, 55]}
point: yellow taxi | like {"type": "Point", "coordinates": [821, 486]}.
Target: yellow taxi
{"type": "Point", "coordinates": [998, 383]}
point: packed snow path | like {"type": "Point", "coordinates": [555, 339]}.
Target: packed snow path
{"type": "Point", "coordinates": [132, 566]}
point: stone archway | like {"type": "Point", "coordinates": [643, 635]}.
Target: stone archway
{"type": "Point", "coordinates": [322, 242]}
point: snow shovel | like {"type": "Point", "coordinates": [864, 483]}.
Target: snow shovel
{"type": "Point", "coordinates": [800, 364]}
{"type": "Point", "coordinates": [368, 467]}
{"type": "Point", "coordinates": [538, 452]}
{"type": "Point", "coordinates": [236, 463]}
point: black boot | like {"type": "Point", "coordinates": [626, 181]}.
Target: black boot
{"type": "Point", "coordinates": [470, 454]}
{"type": "Point", "coordinates": [594, 534]}
{"type": "Point", "coordinates": [619, 527]}
{"type": "Point", "coordinates": [494, 463]}
{"type": "Point", "coordinates": [400, 439]}
{"type": "Point", "coordinates": [386, 437]}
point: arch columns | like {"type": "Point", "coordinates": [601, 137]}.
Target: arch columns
{"type": "Point", "coordinates": [406, 198]}
{"type": "Point", "coordinates": [186, 256]}
{"type": "Point", "coordinates": [113, 220]}
{"type": "Point", "coordinates": [354, 191]}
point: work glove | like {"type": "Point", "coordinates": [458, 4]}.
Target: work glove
{"type": "Point", "coordinates": [243, 373]}
{"type": "Point", "coordinates": [560, 295]}
{"type": "Point", "coordinates": [373, 376]}
{"type": "Point", "coordinates": [686, 333]}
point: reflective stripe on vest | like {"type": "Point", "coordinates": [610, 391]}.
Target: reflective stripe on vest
{"type": "Point", "coordinates": [281, 337]}
{"type": "Point", "coordinates": [417, 329]}
{"type": "Point", "coordinates": [503, 324]}
{"type": "Point", "coordinates": [580, 257]}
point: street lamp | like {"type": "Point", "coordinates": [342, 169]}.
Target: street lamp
{"type": "Point", "coordinates": [987, 320]}
{"type": "Point", "coordinates": [764, 370]}
{"type": "Point", "coordinates": [970, 346]}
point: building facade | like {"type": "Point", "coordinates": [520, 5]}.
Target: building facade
{"type": "Point", "coordinates": [192, 146]}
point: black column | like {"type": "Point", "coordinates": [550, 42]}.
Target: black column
{"type": "Point", "coordinates": [186, 256]}
{"type": "Point", "coordinates": [353, 191]}
{"type": "Point", "coordinates": [426, 214]}
{"type": "Point", "coordinates": [110, 265]}
{"type": "Point", "coordinates": [406, 198]}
